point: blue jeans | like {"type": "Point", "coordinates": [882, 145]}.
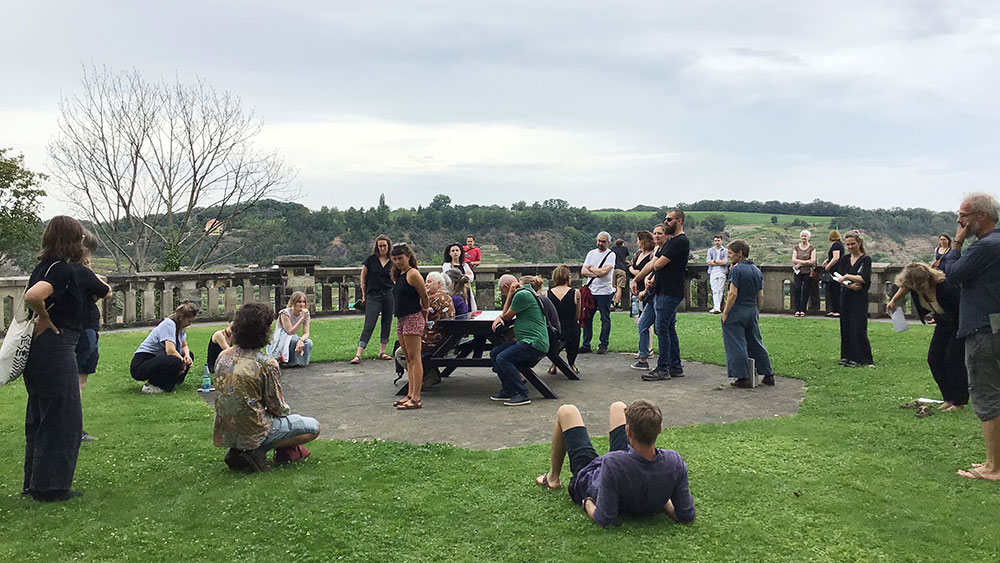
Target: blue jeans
{"type": "Point", "coordinates": [646, 320]}
{"type": "Point", "coordinates": [506, 359]}
{"type": "Point", "coordinates": [666, 332]}
{"type": "Point", "coordinates": [604, 308]}
{"type": "Point", "coordinates": [296, 359]}
{"type": "Point", "coordinates": [741, 338]}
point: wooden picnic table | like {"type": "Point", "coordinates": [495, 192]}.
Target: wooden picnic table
{"type": "Point", "coordinates": [474, 351]}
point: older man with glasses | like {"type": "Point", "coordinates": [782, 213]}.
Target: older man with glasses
{"type": "Point", "coordinates": [977, 271]}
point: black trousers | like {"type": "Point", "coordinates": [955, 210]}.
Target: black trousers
{"type": "Point", "coordinates": [946, 358]}
{"type": "Point", "coordinates": [854, 345]}
{"type": "Point", "coordinates": [53, 419]}
{"type": "Point", "coordinates": [570, 334]}
{"type": "Point", "coordinates": [833, 290]}
{"type": "Point", "coordinates": [162, 371]}
{"type": "Point", "coordinates": [800, 291]}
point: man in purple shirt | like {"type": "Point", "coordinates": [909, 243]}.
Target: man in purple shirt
{"type": "Point", "coordinates": [634, 477]}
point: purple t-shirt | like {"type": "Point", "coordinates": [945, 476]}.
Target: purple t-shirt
{"type": "Point", "coordinates": [624, 482]}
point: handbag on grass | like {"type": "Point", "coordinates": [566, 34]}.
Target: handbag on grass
{"type": "Point", "coordinates": [17, 341]}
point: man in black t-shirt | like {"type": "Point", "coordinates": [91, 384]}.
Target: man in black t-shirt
{"type": "Point", "coordinates": [670, 265]}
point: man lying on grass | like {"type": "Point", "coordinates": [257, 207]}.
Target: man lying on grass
{"type": "Point", "coordinates": [634, 477]}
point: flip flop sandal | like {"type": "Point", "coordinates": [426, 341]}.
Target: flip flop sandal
{"type": "Point", "coordinates": [911, 405]}
{"type": "Point", "coordinates": [409, 406]}
{"type": "Point", "coordinates": [384, 356]}
{"type": "Point", "coordinates": [356, 360]}
{"type": "Point", "coordinates": [545, 483]}
{"type": "Point", "coordinates": [924, 411]}
{"type": "Point", "coordinates": [975, 474]}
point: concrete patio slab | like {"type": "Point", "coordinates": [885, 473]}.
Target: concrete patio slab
{"type": "Point", "coordinates": [354, 402]}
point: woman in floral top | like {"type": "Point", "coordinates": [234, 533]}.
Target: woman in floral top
{"type": "Point", "coordinates": [251, 416]}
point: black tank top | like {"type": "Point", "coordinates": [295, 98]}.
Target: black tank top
{"type": "Point", "coordinates": [406, 297]}
{"type": "Point", "coordinates": [213, 355]}
{"type": "Point", "coordinates": [566, 307]}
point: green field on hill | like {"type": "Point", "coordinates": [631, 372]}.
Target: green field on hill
{"type": "Point", "coordinates": [732, 217]}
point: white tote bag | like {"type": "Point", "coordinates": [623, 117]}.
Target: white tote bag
{"type": "Point", "coordinates": [17, 342]}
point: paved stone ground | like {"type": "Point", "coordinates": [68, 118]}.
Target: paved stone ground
{"type": "Point", "coordinates": [354, 402]}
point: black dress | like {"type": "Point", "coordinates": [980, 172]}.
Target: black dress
{"type": "Point", "coordinates": [570, 326]}
{"type": "Point", "coordinates": [832, 289]}
{"type": "Point", "coordinates": [854, 345]}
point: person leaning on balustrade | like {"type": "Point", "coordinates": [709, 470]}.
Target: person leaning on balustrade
{"type": "Point", "coordinates": [803, 262]}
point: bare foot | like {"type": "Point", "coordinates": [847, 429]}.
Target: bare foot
{"type": "Point", "coordinates": [946, 405]}
{"type": "Point", "coordinates": [953, 408]}
{"type": "Point", "coordinates": [545, 482]}
{"type": "Point", "coordinates": [979, 473]}
{"type": "Point", "coordinates": [552, 369]}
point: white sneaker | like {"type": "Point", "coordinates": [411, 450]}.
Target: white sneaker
{"type": "Point", "coordinates": [151, 389]}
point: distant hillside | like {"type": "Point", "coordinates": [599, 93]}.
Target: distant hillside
{"type": "Point", "coordinates": [554, 231]}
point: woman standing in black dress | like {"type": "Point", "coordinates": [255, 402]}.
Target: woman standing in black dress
{"type": "Point", "coordinates": [855, 350]}
{"type": "Point", "coordinates": [833, 289]}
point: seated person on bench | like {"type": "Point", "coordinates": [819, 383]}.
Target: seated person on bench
{"type": "Point", "coordinates": [530, 344]}
{"type": "Point", "coordinates": [634, 477]}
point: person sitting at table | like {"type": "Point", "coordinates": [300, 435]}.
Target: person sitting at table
{"type": "Point", "coordinates": [634, 477]}
{"type": "Point", "coordinates": [286, 345]}
{"type": "Point", "coordinates": [221, 341]}
{"type": "Point", "coordinates": [461, 292]}
{"type": "Point", "coordinates": [163, 359]}
{"type": "Point", "coordinates": [251, 416]}
{"type": "Point", "coordinates": [531, 342]}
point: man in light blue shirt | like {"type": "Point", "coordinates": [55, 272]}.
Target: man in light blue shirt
{"type": "Point", "coordinates": [717, 260]}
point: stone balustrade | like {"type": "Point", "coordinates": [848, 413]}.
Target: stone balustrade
{"type": "Point", "coordinates": [143, 299]}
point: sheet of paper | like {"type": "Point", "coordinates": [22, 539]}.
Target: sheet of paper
{"type": "Point", "coordinates": [929, 401]}
{"type": "Point", "coordinates": [899, 323]}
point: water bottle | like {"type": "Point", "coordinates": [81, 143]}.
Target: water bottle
{"type": "Point", "coordinates": [206, 381]}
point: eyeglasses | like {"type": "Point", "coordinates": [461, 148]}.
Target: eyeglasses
{"type": "Point", "coordinates": [669, 219]}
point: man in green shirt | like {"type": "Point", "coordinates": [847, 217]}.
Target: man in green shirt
{"type": "Point", "coordinates": [531, 341]}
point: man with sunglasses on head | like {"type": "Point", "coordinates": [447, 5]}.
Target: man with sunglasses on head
{"type": "Point", "coordinates": [670, 266]}
{"type": "Point", "coordinates": [977, 271]}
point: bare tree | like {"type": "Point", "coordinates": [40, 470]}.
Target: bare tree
{"type": "Point", "coordinates": [145, 161]}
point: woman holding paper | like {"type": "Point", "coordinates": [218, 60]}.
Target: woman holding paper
{"type": "Point", "coordinates": [946, 355]}
{"type": "Point", "coordinates": [855, 350]}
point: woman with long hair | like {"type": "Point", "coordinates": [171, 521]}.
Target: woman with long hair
{"type": "Point", "coordinates": [412, 305]}
{"type": "Point", "coordinates": [566, 300]}
{"type": "Point", "coordinates": [163, 359]}
{"type": "Point", "coordinates": [803, 262]}
{"type": "Point", "coordinates": [286, 343]}
{"type": "Point", "coordinates": [944, 254]}
{"type": "Point", "coordinates": [376, 293]}
{"type": "Point", "coordinates": [833, 289]}
{"type": "Point", "coordinates": [454, 257]}
{"type": "Point", "coordinates": [461, 292]}
{"type": "Point", "coordinates": [647, 247]}
{"type": "Point", "coordinates": [932, 293]}
{"type": "Point", "coordinates": [53, 422]}
{"type": "Point", "coordinates": [855, 349]}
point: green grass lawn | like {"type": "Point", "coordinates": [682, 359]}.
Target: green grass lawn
{"type": "Point", "coordinates": [851, 477]}
{"type": "Point", "coordinates": [732, 217]}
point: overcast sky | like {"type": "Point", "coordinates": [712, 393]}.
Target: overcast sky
{"type": "Point", "coordinates": [603, 104]}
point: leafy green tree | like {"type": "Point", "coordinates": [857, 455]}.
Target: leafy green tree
{"type": "Point", "coordinates": [715, 222]}
{"type": "Point", "coordinates": [20, 227]}
{"type": "Point", "coordinates": [774, 219]}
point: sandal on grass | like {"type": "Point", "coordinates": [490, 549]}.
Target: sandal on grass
{"type": "Point", "coordinates": [356, 360]}
{"type": "Point", "coordinates": [410, 405]}
{"type": "Point", "coordinates": [543, 481]}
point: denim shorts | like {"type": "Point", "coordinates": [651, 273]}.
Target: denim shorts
{"type": "Point", "coordinates": [290, 426]}
{"type": "Point", "coordinates": [86, 352]}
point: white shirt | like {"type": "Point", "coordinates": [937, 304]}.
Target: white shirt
{"type": "Point", "coordinates": [447, 266]}
{"type": "Point", "coordinates": [601, 285]}
{"type": "Point", "coordinates": [721, 253]}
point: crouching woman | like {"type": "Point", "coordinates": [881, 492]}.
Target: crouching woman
{"type": "Point", "coordinates": [163, 359]}
{"type": "Point", "coordinates": [251, 416]}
